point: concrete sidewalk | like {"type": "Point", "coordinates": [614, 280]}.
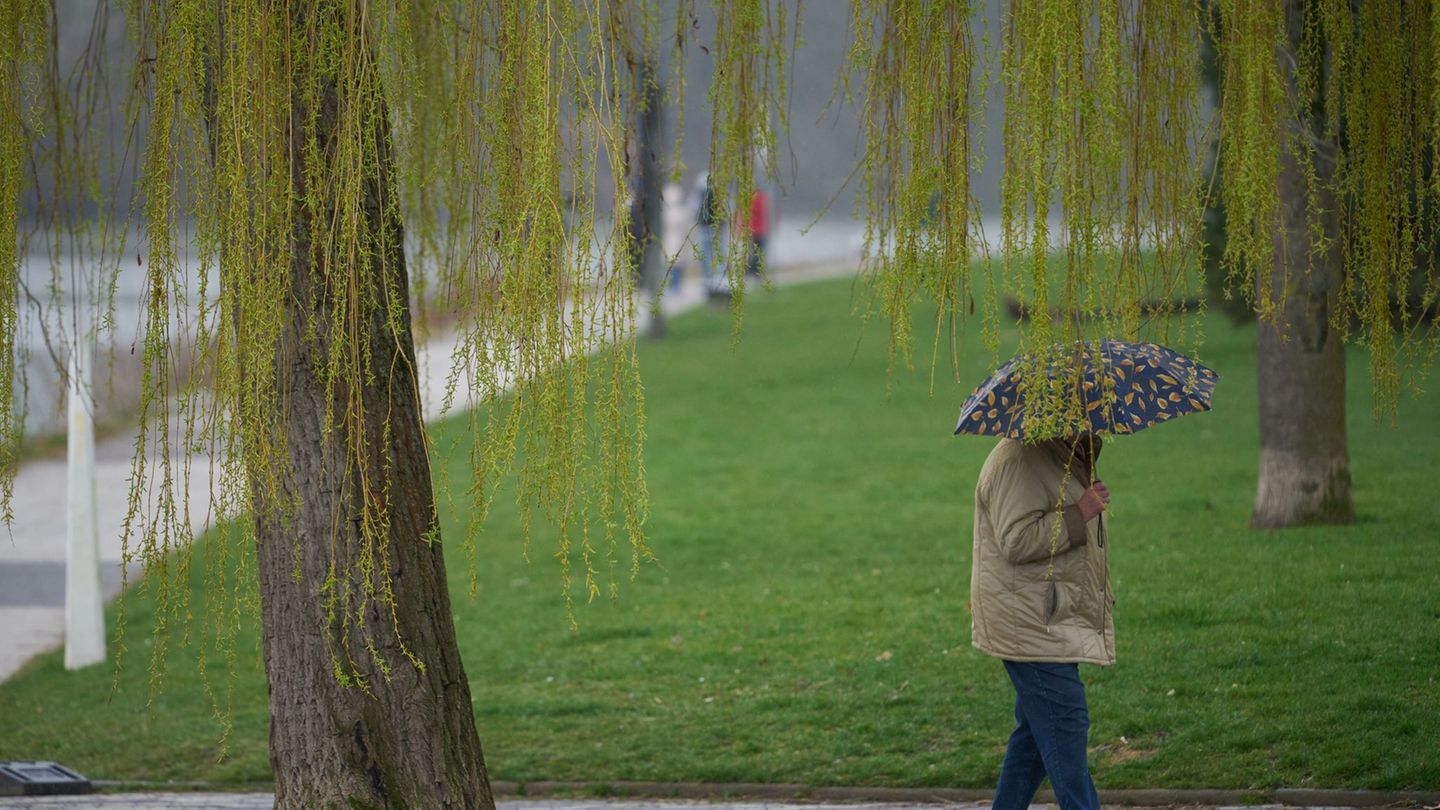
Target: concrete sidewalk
{"type": "Point", "coordinates": [32, 557]}
{"type": "Point", "coordinates": [264, 801]}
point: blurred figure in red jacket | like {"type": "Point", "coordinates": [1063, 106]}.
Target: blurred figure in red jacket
{"type": "Point", "coordinates": [759, 231]}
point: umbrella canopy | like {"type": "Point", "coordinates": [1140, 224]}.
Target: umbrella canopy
{"type": "Point", "coordinates": [1126, 387]}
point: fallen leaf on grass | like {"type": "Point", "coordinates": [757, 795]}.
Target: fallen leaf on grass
{"type": "Point", "coordinates": [1123, 750]}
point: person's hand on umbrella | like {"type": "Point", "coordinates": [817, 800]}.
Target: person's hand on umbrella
{"type": "Point", "coordinates": [1094, 501]}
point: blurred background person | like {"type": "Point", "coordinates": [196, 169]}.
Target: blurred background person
{"type": "Point", "coordinates": [759, 231]}
{"type": "Point", "coordinates": [705, 230]}
{"type": "Point", "coordinates": [675, 221]}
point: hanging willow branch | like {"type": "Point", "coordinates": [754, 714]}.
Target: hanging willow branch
{"type": "Point", "coordinates": [478, 148]}
{"type": "Point", "coordinates": [1387, 180]}
{"type": "Point", "coordinates": [1351, 93]}
{"type": "Point", "coordinates": [503, 109]}
{"type": "Point", "coordinates": [511, 123]}
{"type": "Point", "coordinates": [1252, 101]}
{"type": "Point", "coordinates": [22, 36]}
{"type": "Point", "coordinates": [918, 60]}
{"type": "Point", "coordinates": [503, 190]}
{"type": "Point", "coordinates": [1098, 196]}
{"type": "Point", "coordinates": [748, 86]}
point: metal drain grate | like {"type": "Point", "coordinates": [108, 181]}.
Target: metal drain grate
{"type": "Point", "coordinates": [40, 779]}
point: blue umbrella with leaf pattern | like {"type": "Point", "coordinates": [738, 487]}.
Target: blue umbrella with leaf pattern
{"type": "Point", "coordinates": [1126, 387]}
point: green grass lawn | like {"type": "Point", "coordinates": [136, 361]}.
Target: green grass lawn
{"type": "Point", "coordinates": [807, 620]}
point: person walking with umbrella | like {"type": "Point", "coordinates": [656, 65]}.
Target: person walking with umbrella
{"type": "Point", "coordinates": [1040, 591]}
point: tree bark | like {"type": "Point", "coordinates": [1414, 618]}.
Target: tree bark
{"type": "Point", "coordinates": [1300, 359]}
{"type": "Point", "coordinates": [648, 99]}
{"type": "Point", "coordinates": [407, 738]}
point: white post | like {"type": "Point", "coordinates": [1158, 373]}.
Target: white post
{"type": "Point", "coordinates": [84, 607]}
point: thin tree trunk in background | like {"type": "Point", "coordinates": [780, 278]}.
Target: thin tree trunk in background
{"type": "Point", "coordinates": [411, 740]}
{"type": "Point", "coordinates": [647, 188]}
{"type": "Point", "coordinates": [1300, 361]}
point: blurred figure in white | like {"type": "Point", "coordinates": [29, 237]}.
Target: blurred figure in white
{"type": "Point", "coordinates": [705, 226]}
{"type": "Point", "coordinates": [675, 220]}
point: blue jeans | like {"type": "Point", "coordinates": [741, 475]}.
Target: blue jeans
{"type": "Point", "coordinates": [1052, 725]}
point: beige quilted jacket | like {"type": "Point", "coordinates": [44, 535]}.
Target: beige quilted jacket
{"type": "Point", "coordinates": [1040, 581]}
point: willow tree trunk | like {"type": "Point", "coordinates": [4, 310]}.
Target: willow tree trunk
{"type": "Point", "coordinates": [407, 739]}
{"type": "Point", "coordinates": [1304, 458]}
{"type": "Point", "coordinates": [651, 261]}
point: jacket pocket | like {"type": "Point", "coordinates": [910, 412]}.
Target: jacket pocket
{"type": "Point", "coordinates": [1052, 602]}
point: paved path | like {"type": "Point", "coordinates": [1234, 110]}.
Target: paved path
{"type": "Point", "coordinates": [264, 801]}
{"type": "Point", "coordinates": [32, 557]}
